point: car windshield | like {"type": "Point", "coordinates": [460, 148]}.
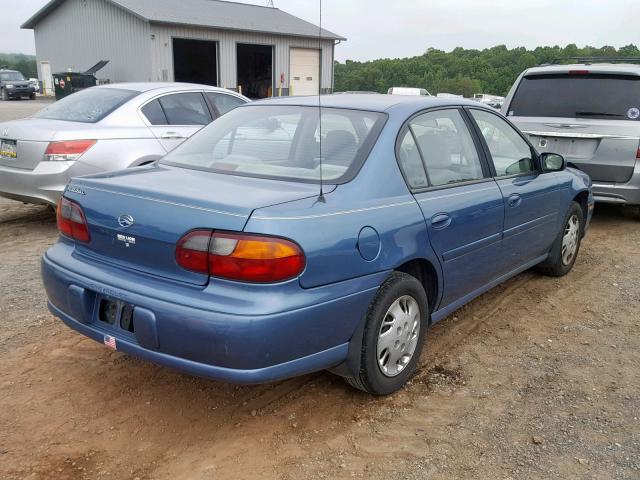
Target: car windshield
{"type": "Point", "coordinates": [87, 106]}
{"type": "Point", "coordinates": [11, 76]}
{"type": "Point", "coordinates": [283, 142]}
{"type": "Point", "coordinates": [578, 96]}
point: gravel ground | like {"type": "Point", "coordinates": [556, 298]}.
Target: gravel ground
{"type": "Point", "coordinates": [537, 379]}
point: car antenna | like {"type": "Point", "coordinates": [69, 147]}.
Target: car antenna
{"type": "Point", "coordinates": [321, 197]}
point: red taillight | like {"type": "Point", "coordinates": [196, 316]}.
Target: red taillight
{"type": "Point", "coordinates": [237, 256]}
{"type": "Point", "coordinates": [638, 154]}
{"type": "Point", "coordinates": [71, 220]}
{"type": "Point", "coordinates": [578, 72]}
{"type": "Point", "coordinates": [68, 150]}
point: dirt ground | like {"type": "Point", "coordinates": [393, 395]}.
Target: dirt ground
{"type": "Point", "coordinates": [537, 379]}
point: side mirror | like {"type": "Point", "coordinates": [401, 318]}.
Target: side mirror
{"type": "Point", "coordinates": [552, 162]}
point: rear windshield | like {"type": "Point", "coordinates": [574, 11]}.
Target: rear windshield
{"type": "Point", "coordinates": [87, 106]}
{"type": "Point", "coordinates": [283, 142]}
{"type": "Point", "coordinates": [11, 76]}
{"type": "Point", "coordinates": [578, 96]}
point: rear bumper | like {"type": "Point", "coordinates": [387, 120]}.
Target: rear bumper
{"type": "Point", "coordinates": [221, 331]}
{"type": "Point", "coordinates": [44, 184]}
{"type": "Point", "coordinates": [619, 193]}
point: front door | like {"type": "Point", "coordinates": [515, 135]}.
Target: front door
{"type": "Point", "coordinates": [462, 205]}
{"type": "Point", "coordinates": [531, 198]}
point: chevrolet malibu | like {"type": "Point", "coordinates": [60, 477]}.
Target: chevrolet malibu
{"type": "Point", "coordinates": [285, 238]}
{"type": "Point", "coordinates": [100, 129]}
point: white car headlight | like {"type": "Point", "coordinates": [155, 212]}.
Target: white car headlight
{"type": "Point", "coordinates": [10, 86]}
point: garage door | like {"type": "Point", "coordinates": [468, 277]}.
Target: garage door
{"type": "Point", "coordinates": [305, 71]}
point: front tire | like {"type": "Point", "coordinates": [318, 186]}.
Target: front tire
{"type": "Point", "coordinates": [566, 247]}
{"type": "Point", "coordinates": [395, 329]}
{"type": "Point", "coordinates": [32, 96]}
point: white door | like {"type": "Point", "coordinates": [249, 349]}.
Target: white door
{"type": "Point", "coordinates": [304, 68]}
{"type": "Point", "coordinates": [46, 77]}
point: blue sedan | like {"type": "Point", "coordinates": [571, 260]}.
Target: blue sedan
{"type": "Point", "coordinates": [284, 238]}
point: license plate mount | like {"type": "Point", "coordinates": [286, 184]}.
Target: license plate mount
{"type": "Point", "coordinates": [8, 149]}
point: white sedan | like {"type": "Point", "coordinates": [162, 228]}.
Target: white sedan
{"type": "Point", "coordinates": [100, 129]}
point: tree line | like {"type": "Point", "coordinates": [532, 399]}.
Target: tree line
{"type": "Point", "coordinates": [460, 71]}
{"type": "Point", "coordinates": [23, 63]}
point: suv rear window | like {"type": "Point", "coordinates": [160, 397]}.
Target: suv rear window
{"type": "Point", "coordinates": [87, 106]}
{"type": "Point", "coordinates": [578, 96]}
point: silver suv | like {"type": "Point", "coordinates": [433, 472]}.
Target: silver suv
{"type": "Point", "coordinates": [590, 113]}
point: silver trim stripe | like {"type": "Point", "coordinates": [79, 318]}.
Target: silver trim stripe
{"type": "Point", "coordinates": [458, 194]}
{"type": "Point", "coordinates": [579, 135]}
{"type": "Point", "coordinates": [166, 202]}
{"type": "Point", "coordinates": [333, 214]}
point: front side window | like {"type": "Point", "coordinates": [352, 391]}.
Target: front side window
{"type": "Point", "coordinates": [447, 147]}
{"type": "Point", "coordinates": [275, 141]}
{"type": "Point", "coordinates": [510, 153]}
{"type": "Point", "coordinates": [87, 106]}
{"type": "Point", "coordinates": [185, 109]}
{"type": "Point", "coordinates": [223, 102]}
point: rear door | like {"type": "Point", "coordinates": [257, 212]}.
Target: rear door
{"type": "Point", "coordinates": [176, 116]}
{"type": "Point", "coordinates": [461, 203]}
{"type": "Point", "coordinates": [532, 199]}
{"type": "Point", "coordinates": [593, 119]}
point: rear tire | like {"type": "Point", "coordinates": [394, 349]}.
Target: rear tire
{"type": "Point", "coordinates": [566, 247]}
{"type": "Point", "coordinates": [394, 333]}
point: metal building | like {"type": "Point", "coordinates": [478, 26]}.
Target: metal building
{"type": "Point", "coordinates": [261, 50]}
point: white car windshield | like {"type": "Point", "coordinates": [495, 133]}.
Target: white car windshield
{"type": "Point", "coordinates": [283, 142]}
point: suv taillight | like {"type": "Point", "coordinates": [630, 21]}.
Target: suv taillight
{"type": "Point", "coordinates": [239, 256]}
{"type": "Point", "coordinates": [67, 150]}
{"type": "Point", "coordinates": [71, 220]}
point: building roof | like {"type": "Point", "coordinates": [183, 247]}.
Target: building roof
{"type": "Point", "coordinates": [209, 14]}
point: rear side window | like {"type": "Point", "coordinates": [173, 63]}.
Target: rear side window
{"type": "Point", "coordinates": [185, 109]}
{"type": "Point", "coordinates": [447, 147]}
{"type": "Point", "coordinates": [154, 113]}
{"type": "Point", "coordinates": [578, 96]}
{"type": "Point", "coordinates": [223, 102]}
{"type": "Point", "coordinates": [411, 162]}
{"type": "Point", "coordinates": [87, 106]}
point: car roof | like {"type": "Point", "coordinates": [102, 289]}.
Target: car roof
{"type": "Point", "coordinates": [4, 70]}
{"type": "Point", "coordinates": [168, 86]}
{"type": "Point", "coordinates": [604, 68]}
{"type": "Point", "coordinates": [369, 102]}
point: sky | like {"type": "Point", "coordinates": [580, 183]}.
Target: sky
{"type": "Point", "coordinates": [404, 28]}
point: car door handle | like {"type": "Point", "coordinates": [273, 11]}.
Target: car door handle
{"type": "Point", "coordinates": [440, 221]}
{"type": "Point", "coordinates": [514, 200]}
{"type": "Point", "coordinates": [171, 135]}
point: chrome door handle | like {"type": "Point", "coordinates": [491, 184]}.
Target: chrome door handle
{"type": "Point", "coordinates": [514, 200]}
{"type": "Point", "coordinates": [171, 135]}
{"type": "Point", "coordinates": [440, 221]}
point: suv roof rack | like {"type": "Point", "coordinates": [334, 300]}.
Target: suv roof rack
{"type": "Point", "coordinates": [590, 60]}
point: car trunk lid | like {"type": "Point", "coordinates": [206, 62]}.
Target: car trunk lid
{"type": "Point", "coordinates": [137, 216]}
{"type": "Point", "coordinates": [31, 137]}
